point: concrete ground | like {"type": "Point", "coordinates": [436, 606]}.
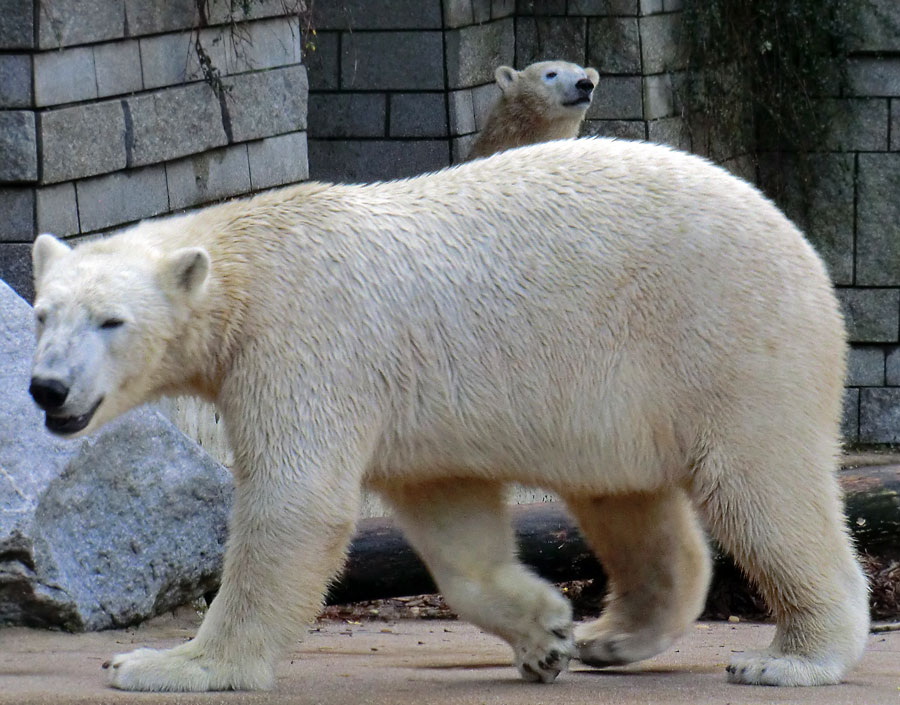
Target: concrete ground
{"type": "Point", "coordinates": [430, 662]}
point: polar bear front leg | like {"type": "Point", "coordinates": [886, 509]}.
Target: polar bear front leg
{"type": "Point", "coordinates": [658, 564]}
{"type": "Point", "coordinates": [281, 552]}
{"type": "Point", "coordinates": [461, 530]}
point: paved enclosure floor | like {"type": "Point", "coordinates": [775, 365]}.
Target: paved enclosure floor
{"type": "Point", "coordinates": [430, 662]}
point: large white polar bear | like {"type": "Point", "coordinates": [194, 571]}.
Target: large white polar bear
{"type": "Point", "coordinates": [626, 325]}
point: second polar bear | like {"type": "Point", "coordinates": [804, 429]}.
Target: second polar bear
{"type": "Point", "coordinates": [545, 101]}
{"type": "Point", "coordinates": [628, 326]}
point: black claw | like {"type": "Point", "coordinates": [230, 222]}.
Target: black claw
{"type": "Point", "coordinates": [106, 664]}
{"type": "Point", "coordinates": [559, 633]}
{"type": "Point", "coordinates": [529, 669]}
{"type": "Point", "coordinates": [730, 669]}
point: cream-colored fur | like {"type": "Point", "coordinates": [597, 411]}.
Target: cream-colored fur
{"type": "Point", "coordinates": [542, 102]}
{"type": "Point", "coordinates": [628, 326]}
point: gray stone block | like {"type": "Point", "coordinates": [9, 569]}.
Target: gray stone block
{"type": "Point", "coordinates": [622, 129]}
{"type": "Point", "coordinates": [892, 367]}
{"type": "Point", "coordinates": [662, 48]}
{"type": "Point", "coordinates": [418, 115]}
{"type": "Point", "coordinates": [207, 177]}
{"type": "Point", "coordinates": [83, 140]}
{"type": "Point", "coordinates": [321, 59]}
{"type": "Point", "coordinates": [672, 131]}
{"type": "Point", "coordinates": [895, 126]}
{"type": "Point", "coordinates": [174, 122]}
{"type": "Point", "coordinates": [547, 38]}
{"type": "Point", "coordinates": [743, 166]}
{"type": "Point", "coordinates": [651, 7]}
{"type": "Point", "coordinates": [170, 59]}
{"type": "Point", "coordinates": [16, 24]}
{"type": "Point", "coordinates": [481, 11]}
{"type": "Point", "coordinates": [871, 314]}
{"type": "Point", "coordinates": [384, 61]}
{"type": "Point", "coordinates": [462, 112]}
{"type": "Point", "coordinates": [17, 207]}
{"type": "Point", "coordinates": [483, 99]}
{"type": "Point", "coordinates": [460, 147]}
{"type": "Point", "coordinates": [617, 98]}
{"type": "Point", "coordinates": [659, 99]}
{"type": "Point", "coordinates": [878, 28]}
{"type": "Point", "coordinates": [614, 45]}
{"type": "Point", "coordinates": [65, 76]}
{"type": "Point", "coordinates": [372, 160]}
{"type": "Point", "coordinates": [866, 366]}
{"type": "Point", "coordinates": [854, 125]}
{"type": "Point", "coordinates": [67, 22]}
{"type": "Point", "coordinates": [56, 210]}
{"type": "Point", "coordinates": [874, 77]}
{"type": "Point", "coordinates": [347, 115]}
{"type": "Point", "coordinates": [16, 81]}
{"type": "Point", "coordinates": [155, 17]}
{"type": "Point", "coordinates": [123, 197]}
{"type": "Point", "coordinates": [823, 209]}
{"type": "Point", "coordinates": [877, 215]}
{"type": "Point", "coordinates": [850, 416]}
{"type": "Point", "coordinates": [502, 8]}
{"type": "Point", "coordinates": [227, 11]}
{"type": "Point", "coordinates": [356, 15]}
{"type": "Point", "coordinates": [540, 7]}
{"type": "Point", "coordinates": [118, 68]}
{"type": "Point", "coordinates": [879, 415]}
{"type": "Point", "coordinates": [266, 103]}
{"type": "Point", "coordinates": [458, 13]}
{"type": "Point", "coordinates": [15, 270]}
{"type": "Point", "coordinates": [18, 146]}
{"type": "Point", "coordinates": [278, 160]}
{"type": "Point", "coordinates": [104, 531]}
{"type": "Point", "coordinates": [264, 44]}
{"type": "Point", "coordinates": [594, 8]}
{"type": "Point", "coordinates": [473, 53]}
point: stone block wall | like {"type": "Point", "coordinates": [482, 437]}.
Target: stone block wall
{"type": "Point", "coordinates": [105, 116]}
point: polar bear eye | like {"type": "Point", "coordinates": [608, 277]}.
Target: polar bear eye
{"type": "Point", "coordinates": [111, 323]}
{"type": "Point", "coordinates": [40, 317]}
{"type": "Point", "coordinates": [550, 75]}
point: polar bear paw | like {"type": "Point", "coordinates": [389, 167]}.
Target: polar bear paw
{"type": "Point", "coordinates": [610, 648]}
{"type": "Point", "coordinates": [182, 669]}
{"type": "Point", "coordinates": [542, 660]}
{"type": "Point", "coordinates": [768, 668]}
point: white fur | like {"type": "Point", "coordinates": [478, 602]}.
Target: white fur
{"type": "Point", "coordinates": [626, 325]}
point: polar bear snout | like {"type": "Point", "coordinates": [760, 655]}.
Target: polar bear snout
{"type": "Point", "coordinates": [585, 86]}
{"type": "Point", "coordinates": [49, 394]}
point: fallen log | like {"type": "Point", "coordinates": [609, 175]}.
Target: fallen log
{"type": "Point", "coordinates": [381, 563]}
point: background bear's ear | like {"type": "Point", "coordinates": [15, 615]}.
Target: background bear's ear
{"type": "Point", "coordinates": [592, 75]}
{"type": "Point", "coordinates": [185, 271]}
{"type": "Point", "coordinates": [506, 76]}
{"type": "Point", "coordinates": [45, 250]}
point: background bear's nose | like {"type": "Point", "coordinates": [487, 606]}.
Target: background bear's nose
{"type": "Point", "coordinates": [585, 85]}
{"type": "Point", "coordinates": [48, 393]}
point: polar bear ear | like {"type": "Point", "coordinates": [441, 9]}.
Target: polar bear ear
{"type": "Point", "coordinates": [185, 271]}
{"type": "Point", "coordinates": [44, 252]}
{"type": "Point", "coordinates": [592, 75]}
{"type": "Point", "coordinates": [506, 76]}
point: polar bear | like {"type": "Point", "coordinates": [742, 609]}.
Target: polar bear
{"type": "Point", "coordinates": [624, 324]}
{"type": "Point", "coordinates": [545, 101]}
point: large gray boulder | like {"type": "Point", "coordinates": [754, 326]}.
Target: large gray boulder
{"type": "Point", "coordinates": [104, 531]}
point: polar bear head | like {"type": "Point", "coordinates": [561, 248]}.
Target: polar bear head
{"type": "Point", "coordinates": [106, 314]}
{"type": "Point", "coordinates": [560, 88]}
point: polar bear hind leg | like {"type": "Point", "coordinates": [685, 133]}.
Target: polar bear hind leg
{"type": "Point", "coordinates": [778, 513]}
{"type": "Point", "coordinates": [657, 562]}
{"type": "Point", "coordinates": [462, 531]}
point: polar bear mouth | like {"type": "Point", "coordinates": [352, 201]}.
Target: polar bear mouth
{"type": "Point", "coordinates": [64, 425]}
{"type": "Point", "coordinates": [578, 101]}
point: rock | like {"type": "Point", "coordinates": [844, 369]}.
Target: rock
{"type": "Point", "coordinates": [104, 531]}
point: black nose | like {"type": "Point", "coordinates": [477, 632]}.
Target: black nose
{"type": "Point", "coordinates": [585, 85]}
{"type": "Point", "coordinates": [48, 393]}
